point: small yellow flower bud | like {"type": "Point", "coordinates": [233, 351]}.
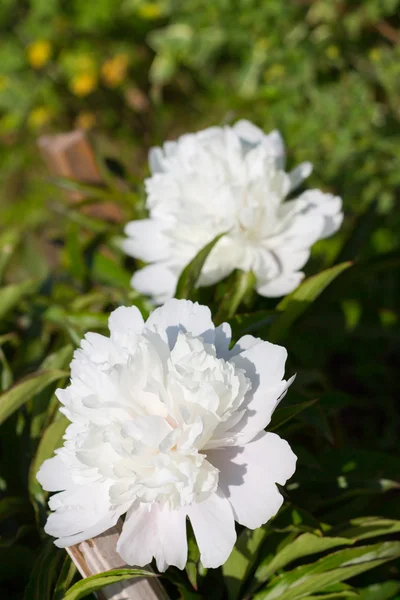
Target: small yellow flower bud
{"type": "Point", "coordinates": [332, 52]}
{"type": "Point", "coordinates": [114, 70]}
{"type": "Point", "coordinates": [85, 120]}
{"type": "Point", "coordinates": [150, 11]}
{"type": "Point", "coordinates": [83, 84]}
{"type": "Point", "coordinates": [39, 53]}
{"type": "Point", "coordinates": [39, 116]}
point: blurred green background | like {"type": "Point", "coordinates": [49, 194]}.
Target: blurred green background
{"type": "Point", "coordinates": [134, 73]}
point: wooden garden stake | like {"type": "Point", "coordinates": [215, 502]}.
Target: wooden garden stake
{"type": "Point", "coordinates": [70, 155]}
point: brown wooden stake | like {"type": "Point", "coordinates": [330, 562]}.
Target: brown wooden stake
{"type": "Point", "coordinates": [70, 155]}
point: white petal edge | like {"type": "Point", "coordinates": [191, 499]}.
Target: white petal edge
{"type": "Point", "coordinates": [248, 475]}
{"type": "Point", "coordinates": [54, 475]}
{"type": "Point", "coordinates": [126, 320]}
{"type": "Point", "coordinates": [151, 531]}
{"type": "Point", "coordinates": [182, 315]}
{"type": "Point", "coordinates": [214, 527]}
{"type": "Point", "coordinates": [155, 280]}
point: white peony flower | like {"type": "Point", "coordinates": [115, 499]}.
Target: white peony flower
{"type": "Point", "coordinates": [229, 179]}
{"type": "Point", "coordinates": [167, 423]}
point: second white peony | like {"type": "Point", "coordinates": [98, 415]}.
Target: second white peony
{"type": "Point", "coordinates": [228, 180]}
{"type": "Point", "coordinates": [167, 423]}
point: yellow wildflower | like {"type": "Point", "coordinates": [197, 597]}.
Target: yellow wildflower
{"type": "Point", "coordinates": [114, 70]}
{"type": "Point", "coordinates": [150, 11]}
{"type": "Point", "coordinates": [83, 84]}
{"type": "Point", "coordinates": [85, 120]}
{"type": "Point", "coordinates": [375, 54]}
{"type": "Point", "coordinates": [332, 52]}
{"type": "Point", "coordinates": [39, 53]}
{"type": "Point", "coordinates": [39, 116]}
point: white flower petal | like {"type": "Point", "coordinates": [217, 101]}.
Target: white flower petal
{"type": "Point", "coordinates": [214, 527]}
{"type": "Point", "coordinates": [156, 160]}
{"type": "Point", "coordinates": [182, 315]}
{"type": "Point", "coordinates": [223, 335]}
{"type": "Point", "coordinates": [300, 173]}
{"type": "Point", "coordinates": [80, 509]}
{"type": "Point", "coordinates": [150, 531]}
{"type": "Point", "coordinates": [248, 475]}
{"type": "Point", "coordinates": [281, 286]}
{"type": "Point", "coordinates": [54, 475]}
{"type": "Point", "coordinates": [263, 362]}
{"type": "Point", "coordinates": [126, 320]}
{"type": "Point", "coordinates": [155, 280]}
{"type": "Point", "coordinates": [146, 240]}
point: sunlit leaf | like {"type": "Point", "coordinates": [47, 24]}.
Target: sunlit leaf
{"type": "Point", "coordinates": [13, 293]}
{"type": "Point", "coordinates": [387, 590]}
{"type": "Point", "coordinates": [331, 569]}
{"type": "Point", "coordinates": [96, 582]}
{"type": "Point", "coordinates": [24, 390]}
{"type": "Point", "coordinates": [65, 578]}
{"type": "Point", "coordinates": [191, 273]}
{"type": "Point", "coordinates": [50, 440]}
{"type": "Point", "coordinates": [242, 559]}
{"type": "Point", "coordinates": [293, 305]}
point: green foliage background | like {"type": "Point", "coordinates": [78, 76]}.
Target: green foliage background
{"type": "Point", "coordinates": [327, 74]}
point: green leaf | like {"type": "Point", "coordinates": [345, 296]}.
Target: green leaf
{"type": "Point", "coordinates": [304, 545]}
{"type": "Point", "coordinates": [12, 294]}
{"type": "Point", "coordinates": [9, 241]}
{"type": "Point", "coordinates": [43, 574]}
{"type": "Point", "coordinates": [294, 305]}
{"type": "Point", "coordinates": [99, 192]}
{"type": "Point", "coordinates": [241, 285]}
{"type": "Point", "coordinates": [381, 591]}
{"type": "Point", "coordinates": [109, 271]}
{"type": "Point", "coordinates": [368, 527]}
{"type": "Point", "coordinates": [65, 578]}
{"type": "Point", "coordinates": [191, 273]}
{"type": "Point", "coordinates": [333, 595]}
{"type": "Point", "coordinates": [284, 414]}
{"type": "Point", "coordinates": [241, 560]}
{"type": "Point", "coordinates": [50, 440]}
{"type": "Point", "coordinates": [96, 582]}
{"type": "Point", "coordinates": [25, 389]}
{"type": "Point", "coordinates": [331, 569]}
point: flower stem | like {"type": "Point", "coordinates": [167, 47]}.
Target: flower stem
{"type": "Point", "coordinates": [243, 284]}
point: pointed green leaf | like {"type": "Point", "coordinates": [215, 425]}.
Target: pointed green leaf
{"type": "Point", "coordinates": [388, 590]}
{"type": "Point", "coordinates": [65, 578]}
{"type": "Point", "coordinates": [12, 294]}
{"type": "Point", "coordinates": [333, 595]}
{"type": "Point", "coordinates": [51, 439]}
{"type": "Point", "coordinates": [191, 273]}
{"type": "Point", "coordinates": [241, 285]}
{"type": "Point", "coordinates": [96, 582]}
{"type": "Point", "coordinates": [368, 527]}
{"type": "Point", "coordinates": [331, 569]}
{"type": "Point", "coordinates": [293, 305]}
{"type": "Point", "coordinates": [304, 545]}
{"type": "Point", "coordinates": [24, 390]}
{"type": "Point", "coordinates": [241, 560]}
